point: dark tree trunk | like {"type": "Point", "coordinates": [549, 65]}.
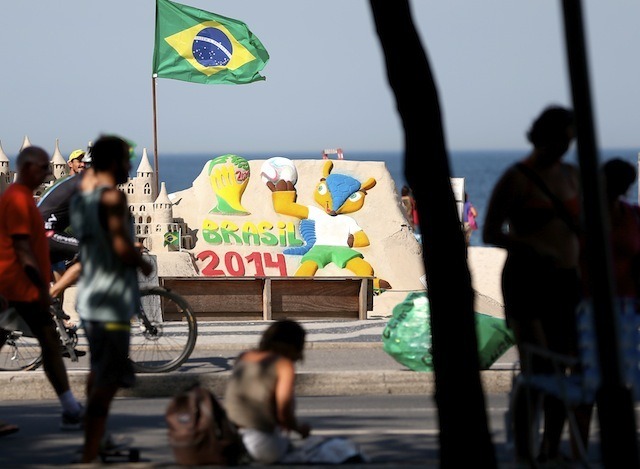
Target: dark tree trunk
{"type": "Point", "coordinates": [464, 436]}
{"type": "Point", "coordinates": [615, 401]}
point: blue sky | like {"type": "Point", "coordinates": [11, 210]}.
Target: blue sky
{"type": "Point", "coordinates": [72, 69]}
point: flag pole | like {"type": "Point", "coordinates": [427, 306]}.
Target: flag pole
{"type": "Point", "coordinates": [155, 133]}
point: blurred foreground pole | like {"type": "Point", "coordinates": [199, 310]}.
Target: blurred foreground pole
{"type": "Point", "coordinates": [615, 403]}
{"type": "Point", "coordinates": [465, 441]}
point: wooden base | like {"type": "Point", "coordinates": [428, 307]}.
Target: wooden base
{"type": "Point", "coordinates": [268, 298]}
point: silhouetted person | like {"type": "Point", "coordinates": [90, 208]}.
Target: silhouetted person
{"type": "Point", "coordinates": [540, 279]}
{"type": "Point", "coordinates": [624, 237]}
{"type": "Point", "coordinates": [619, 176]}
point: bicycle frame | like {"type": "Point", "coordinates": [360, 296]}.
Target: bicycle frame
{"type": "Point", "coordinates": [68, 336]}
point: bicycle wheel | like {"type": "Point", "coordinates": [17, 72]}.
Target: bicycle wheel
{"type": "Point", "coordinates": [164, 333]}
{"type": "Point", "coordinates": [20, 352]}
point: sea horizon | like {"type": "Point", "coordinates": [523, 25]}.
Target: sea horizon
{"type": "Point", "coordinates": [480, 169]}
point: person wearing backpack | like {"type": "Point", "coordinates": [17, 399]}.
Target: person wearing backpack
{"type": "Point", "coordinates": [259, 397]}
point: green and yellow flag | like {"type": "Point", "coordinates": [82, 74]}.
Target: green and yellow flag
{"type": "Point", "coordinates": [172, 238]}
{"type": "Point", "coordinates": [202, 47]}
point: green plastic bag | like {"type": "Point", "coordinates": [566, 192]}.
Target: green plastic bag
{"type": "Point", "coordinates": [407, 336]}
{"type": "Point", "coordinates": [494, 339]}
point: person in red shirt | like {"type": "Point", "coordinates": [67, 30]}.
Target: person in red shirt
{"type": "Point", "coordinates": [25, 273]}
{"type": "Point", "coordinates": [624, 238]}
{"type": "Point", "coordinates": [625, 228]}
{"type": "Point", "coordinates": [624, 232]}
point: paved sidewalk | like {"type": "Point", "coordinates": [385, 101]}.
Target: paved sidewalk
{"type": "Point", "coordinates": [393, 431]}
{"type": "Point", "coordinates": [341, 358]}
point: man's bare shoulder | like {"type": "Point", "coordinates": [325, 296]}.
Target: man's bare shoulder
{"type": "Point", "coordinates": [113, 197]}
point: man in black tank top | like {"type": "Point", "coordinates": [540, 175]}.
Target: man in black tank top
{"type": "Point", "coordinates": [54, 208]}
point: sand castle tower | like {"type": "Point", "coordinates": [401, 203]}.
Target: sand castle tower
{"type": "Point", "coordinates": [143, 203]}
{"type": "Point", "coordinates": [145, 180]}
{"type": "Point", "coordinates": [162, 208]}
{"type": "Point", "coordinates": [25, 143]}
{"type": "Point", "coordinates": [163, 222]}
{"type": "Point", "coordinates": [59, 170]}
{"type": "Point", "coordinates": [59, 166]}
{"type": "Point", "coordinates": [6, 175]}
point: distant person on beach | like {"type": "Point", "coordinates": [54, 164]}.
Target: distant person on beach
{"type": "Point", "coordinates": [408, 203]}
{"type": "Point", "coordinates": [469, 219]}
{"type": "Point", "coordinates": [25, 273]}
{"type": "Point", "coordinates": [108, 289]}
{"type": "Point", "coordinates": [534, 213]}
{"type": "Point", "coordinates": [410, 209]}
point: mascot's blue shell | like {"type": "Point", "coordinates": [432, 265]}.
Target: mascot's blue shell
{"type": "Point", "coordinates": [341, 187]}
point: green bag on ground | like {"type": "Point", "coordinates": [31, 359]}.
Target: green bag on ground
{"type": "Point", "coordinates": [407, 336]}
{"type": "Point", "coordinates": [494, 339]}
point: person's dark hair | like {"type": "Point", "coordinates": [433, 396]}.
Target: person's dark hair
{"type": "Point", "coordinates": [550, 126]}
{"type": "Point", "coordinates": [405, 190]}
{"type": "Point", "coordinates": [285, 337]}
{"type": "Point", "coordinates": [30, 154]}
{"type": "Point", "coordinates": [106, 150]}
{"type": "Point", "coordinates": [619, 176]}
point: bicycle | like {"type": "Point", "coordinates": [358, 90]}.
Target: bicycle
{"type": "Point", "coordinates": [163, 336]}
{"type": "Point", "coordinates": [575, 388]}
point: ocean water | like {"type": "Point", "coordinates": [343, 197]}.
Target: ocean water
{"type": "Point", "coordinates": [480, 169]}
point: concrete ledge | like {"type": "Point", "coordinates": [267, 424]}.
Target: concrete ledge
{"type": "Point", "coordinates": [28, 385]}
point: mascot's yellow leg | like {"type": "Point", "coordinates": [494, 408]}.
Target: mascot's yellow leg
{"type": "Point", "coordinates": [362, 268]}
{"type": "Point", "coordinates": [306, 269]}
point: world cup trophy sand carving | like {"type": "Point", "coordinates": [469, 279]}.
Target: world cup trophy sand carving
{"type": "Point", "coordinates": [330, 234]}
{"type": "Point", "coordinates": [229, 176]}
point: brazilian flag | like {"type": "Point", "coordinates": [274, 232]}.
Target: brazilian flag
{"type": "Point", "coordinates": [172, 238]}
{"type": "Point", "coordinates": [202, 47]}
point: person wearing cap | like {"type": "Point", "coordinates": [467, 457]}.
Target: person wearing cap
{"type": "Point", "coordinates": [54, 207]}
{"type": "Point", "coordinates": [76, 162]}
